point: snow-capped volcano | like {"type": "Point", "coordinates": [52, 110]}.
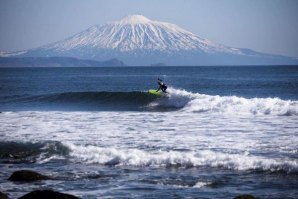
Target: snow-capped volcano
{"type": "Point", "coordinates": [137, 40]}
{"type": "Point", "coordinates": [136, 32]}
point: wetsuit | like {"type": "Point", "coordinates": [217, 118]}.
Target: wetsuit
{"type": "Point", "coordinates": [162, 86]}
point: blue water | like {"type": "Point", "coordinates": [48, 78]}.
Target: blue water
{"type": "Point", "coordinates": [218, 133]}
{"type": "Point", "coordinates": [255, 81]}
{"type": "Point", "coordinates": [35, 88]}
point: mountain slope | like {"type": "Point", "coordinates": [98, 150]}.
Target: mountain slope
{"type": "Point", "coordinates": [135, 32]}
{"type": "Point", "coordinates": [136, 40]}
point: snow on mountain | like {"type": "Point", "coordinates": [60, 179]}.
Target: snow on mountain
{"type": "Point", "coordinates": [137, 40]}
{"type": "Point", "coordinates": [136, 32]}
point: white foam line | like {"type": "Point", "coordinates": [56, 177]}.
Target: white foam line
{"type": "Point", "coordinates": [195, 102]}
{"type": "Point", "coordinates": [136, 157]}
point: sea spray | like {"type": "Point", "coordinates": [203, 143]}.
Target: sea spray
{"type": "Point", "coordinates": [204, 158]}
{"type": "Point", "coordinates": [196, 102]}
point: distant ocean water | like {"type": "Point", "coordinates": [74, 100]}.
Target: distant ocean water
{"type": "Point", "coordinates": [218, 133]}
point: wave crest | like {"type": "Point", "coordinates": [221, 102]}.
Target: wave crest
{"type": "Point", "coordinates": [195, 102]}
{"type": "Point", "coordinates": [175, 100]}
{"type": "Point", "coordinates": [136, 157]}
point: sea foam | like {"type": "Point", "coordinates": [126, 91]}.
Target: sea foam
{"type": "Point", "coordinates": [196, 102]}
{"type": "Point", "coordinates": [205, 158]}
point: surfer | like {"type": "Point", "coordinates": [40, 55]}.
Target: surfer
{"type": "Point", "coordinates": [162, 86]}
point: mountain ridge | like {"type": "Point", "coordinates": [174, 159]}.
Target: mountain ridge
{"type": "Point", "coordinates": [136, 32]}
{"type": "Point", "coordinates": [137, 40]}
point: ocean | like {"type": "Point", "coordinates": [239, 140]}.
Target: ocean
{"type": "Point", "coordinates": [219, 132]}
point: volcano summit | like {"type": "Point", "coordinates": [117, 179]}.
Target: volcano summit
{"type": "Point", "coordinates": [137, 40]}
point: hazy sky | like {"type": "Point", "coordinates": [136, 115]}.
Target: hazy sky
{"type": "Point", "coordinates": [263, 25]}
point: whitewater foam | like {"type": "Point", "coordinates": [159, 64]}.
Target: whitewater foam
{"type": "Point", "coordinates": [196, 102]}
{"type": "Point", "coordinates": [204, 158]}
{"type": "Point", "coordinates": [176, 99]}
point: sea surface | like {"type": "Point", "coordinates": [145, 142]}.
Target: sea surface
{"type": "Point", "coordinates": [219, 132]}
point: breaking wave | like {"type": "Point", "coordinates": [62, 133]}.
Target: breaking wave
{"type": "Point", "coordinates": [175, 100]}
{"type": "Point", "coordinates": [12, 152]}
{"type": "Point", "coordinates": [206, 158]}
{"type": "Point", "coordinates": [195, 102]}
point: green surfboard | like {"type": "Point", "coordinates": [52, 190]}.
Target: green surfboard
{"type": "Point", "coordinates": [153, 92]}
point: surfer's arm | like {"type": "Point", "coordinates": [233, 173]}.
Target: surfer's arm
{"type": "Point", "coordinates": [158, 89]}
